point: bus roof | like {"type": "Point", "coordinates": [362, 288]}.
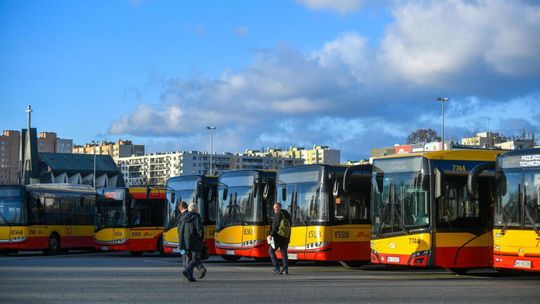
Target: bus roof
{"type": "Point", "coordinates": [263, 173]}
{"type": "Point", "coordinates": [198, 177]}
{"type": "Point", "coordinates": [474, 155]}
{"type": "Point", "coordinates": [61, 187]}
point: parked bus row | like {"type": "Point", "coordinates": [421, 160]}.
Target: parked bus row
{"type": "Point", "coordinates": [457, 209]}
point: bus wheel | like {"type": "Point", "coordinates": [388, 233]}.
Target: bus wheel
{"type": "Point", "coordinates": [136, 253]}
{"type": "Point", "coordinates": [4, 252]}
{"type": "Point", "coordinates": [459, 270]}
{"type": "Point", "coordinates": [53, 244]}
{"type": "Point", "coordinates": [230, 258]}
{"type": "Point", "coordinates": [160, 246]}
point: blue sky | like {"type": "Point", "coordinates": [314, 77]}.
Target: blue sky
{"type": "Point", "coordinates": [351, 74]}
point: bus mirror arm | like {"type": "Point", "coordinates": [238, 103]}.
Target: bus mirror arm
{"type": "Point", "coordinates": [472, 178]}
{"type": "Point", "coordinates": [347, 175]}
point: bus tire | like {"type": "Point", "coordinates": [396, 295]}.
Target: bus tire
{"type": "Point", "coordinates": [230, 258]}
{"type": "Point", "coordinates": [159, 246]}
{"type": "Point", "coordinates": [4, 252]}
{"type": "Point", "coordinates": [53, 244]}
{"type": "Point", "coordinates": [136, 253]}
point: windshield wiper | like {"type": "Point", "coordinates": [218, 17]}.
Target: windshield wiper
{"type": "Point", "coordinates": [526, 210]}
{"type": "Point", "coordinates": [401, 222]}
{"type": "Point", "coordinates": [507, 222]}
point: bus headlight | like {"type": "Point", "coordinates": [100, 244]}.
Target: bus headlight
{"type": "Point", "coordinates": [317, 245]}
{"type": "Point", "coordinates": [119, 241]}
{"type": "Point", "coordinates": [497, 247]}
{"type": "Point", "coordinates": [251, 243]}
{"type": "Point", "coordinates": [17, 239]}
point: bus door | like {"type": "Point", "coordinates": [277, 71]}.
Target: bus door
{"type": "Point", "coordinates": [463, 237]}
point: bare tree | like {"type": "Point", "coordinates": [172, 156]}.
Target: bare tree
{"type": "Point", "coordinates": [422, 136]}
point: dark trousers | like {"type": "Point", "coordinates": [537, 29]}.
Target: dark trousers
{"type": "Point", "coordinates": [192, 259]}
{"type": "Point", "coordinates": [284, 258]}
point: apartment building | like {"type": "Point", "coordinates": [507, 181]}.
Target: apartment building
{"type": "Point", "coordinates": [10, 142]}
{"type": "Point", "coordinates": [156, 168]}
{"type": "Point", "coordinates": [120, 148]}
{"type": "Point", "coordinates": [317, 155]}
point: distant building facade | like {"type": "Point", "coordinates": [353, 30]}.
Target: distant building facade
{"type": "Point", "coordinates": [10, 143]}
{"type": "Point", "coordinates": [156, 168]}
{"type": "Point", "coordinates": [317, 155]}
{"type": "Point", "coordinates": [9, 157]}
{"type": "Point", "coordinates": [120, 148]}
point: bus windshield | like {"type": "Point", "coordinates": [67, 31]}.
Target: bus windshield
{"type": "Point", "coordinates": [184, 190]}
{"type": "Point", "coordinates": [306, 199]}
{"type": "Point", "coordinates": [11, 207]}
{"type": "Point", "coordinates": [399, 200]}
{"type": "Point", "coordinates": [518, 202]}
{"type": "Point", "coordinates": [240, 206]}
{"type": "Point", "coordinates": [111, 209]}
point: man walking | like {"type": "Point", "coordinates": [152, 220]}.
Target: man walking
{"type": "Point", "coordinates": [281, 233]}
{"type": "Point", "coordinates": [191, 234]}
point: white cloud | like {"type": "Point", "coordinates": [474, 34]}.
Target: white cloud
{"type": "Point", "coordinates": [340, 6]}
{"type": "Point", "coordinates": [355, 95]}
{"type": "Point", "coordinates": [432, 41]}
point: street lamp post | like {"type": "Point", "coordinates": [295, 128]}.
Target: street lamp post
{"type": "Point", "coordinates": [212, 129]}
{"type": "Point", "coordinates": [94, 143]}
{"type": "Point", "coordinates": [442, 100]}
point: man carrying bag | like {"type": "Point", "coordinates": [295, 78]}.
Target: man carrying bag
{"type": "Point", "coordinates": [280, 233]}
{"type": "Point", "coordinates": [191, 234]}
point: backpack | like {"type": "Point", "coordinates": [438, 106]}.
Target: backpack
{"type": "Point", "coordinates": [284, 228]}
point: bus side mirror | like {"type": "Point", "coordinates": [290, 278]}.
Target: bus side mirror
{"type": "Point", "coordinates": [225, 193]}
{"type": "Point", "coordinates": [255, 189]}
{"type": "Point", "coordinates": [210, 194]}
{"type": "Point", "coordinates": [199, 189]}
{"type": "Point", "coordinates": [439, 181]}
{"type": "Point", "coordinates": [266, 191]}
{"type": "Point", "coordinates": [283, 194]}
{"type": "Point", "coordinates": [472, 179]}
{"type": "Point", "coordinates": [538, 195]}
{"type": "Point", "coordinates": [173, 196]}
{"type": "Point", "coordinates": [148, 190]}
{"type": "Point", "coordinates": [379, 180]}
{"type": "Point", "coordinates": [335, 191]}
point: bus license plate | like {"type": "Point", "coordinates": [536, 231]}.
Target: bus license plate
{"type": "Point", "coordinates": [391, 259]}
{"type": "Point", "coordinates": [292, 256]}
{"type": "Point", "coordinates": [229, 252]}
{"type": "Point", "coordinates": [522, 264]}
{"type": "Point", "coordinates": [104, 248]}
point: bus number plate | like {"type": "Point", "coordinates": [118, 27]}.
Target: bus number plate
{"type": "Point", "coordinates": [229, 252]}
{"type": "Point", "coordinates": [104, 248]}
{"type": "Point", "coordinates": [522, 264]}
{"type": "Point", "coordinates": [391, 259]}
{"type": "Point", "coordinates": [292, 256]}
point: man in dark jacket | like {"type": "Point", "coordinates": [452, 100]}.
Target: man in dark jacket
{"type": "Point", "coordinates": [191, 235]}
{"type": "Point", "coordinates": [281, 242]}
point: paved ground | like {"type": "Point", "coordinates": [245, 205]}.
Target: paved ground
{"type": "Point", "coordinates": [119, 278]}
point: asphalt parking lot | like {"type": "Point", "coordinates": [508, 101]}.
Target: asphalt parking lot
{"type": "Point", "coordinates": [87, 277]}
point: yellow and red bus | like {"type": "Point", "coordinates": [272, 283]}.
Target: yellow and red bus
{"type": "Point", "coordinates": [245, 201]}
{"type": "Point", "coordinates": [190, 188]}
{"type": "Point", "coordinates": [424, 215]}
{"type": "Point", "coordinates": [517, 212]}
{"type": "Point", "coordinates": [49, 217]}
{"type": "Point", "coordinates": [129, 219]}
{"type": "Point", "coordinates": [327, 224]}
